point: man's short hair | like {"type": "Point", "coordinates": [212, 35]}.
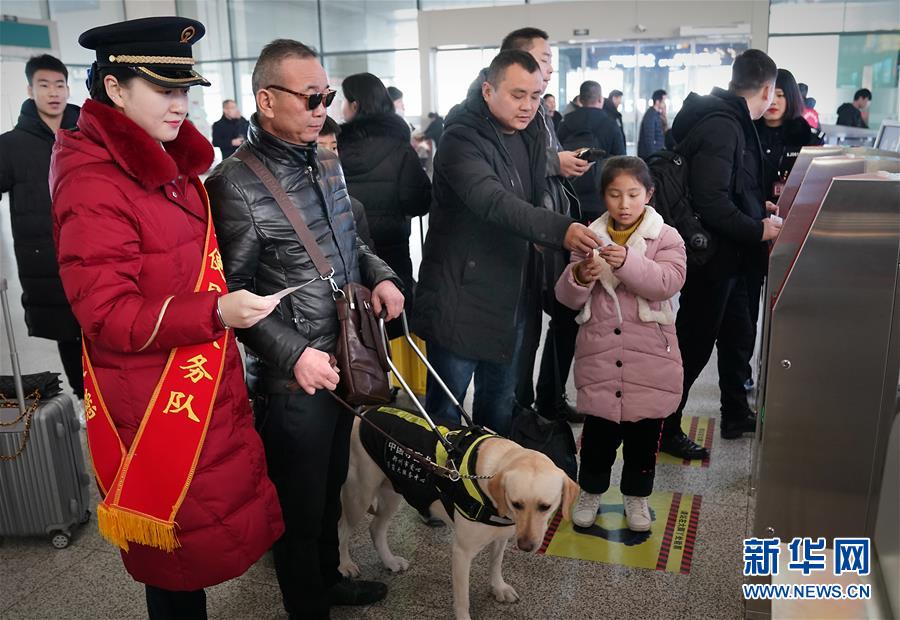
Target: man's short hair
{"type": "Point", "coordinates": [521, 39]}
{"type": "Point", "coordinates": [658, 95]}
{"type": "Point", "coordinates": [44, 62]}
{"type": "Point", "coordinates": [863, 93]}
{"type": "Point", "coordinates": [504, 60]}
{"type": "Point", "coordinates": [330, 128]}
{"type": "Point", "coordinates": [590, 92]}
{"type": "Point", "coordinates": [547, 96]}
{"type": "Point", "coordinates": [615, 93]}
{"type": "Point", "coordinates": [266, 70]}
{"type": "Point", "coordinates": [227, 101]}
{"type": "Point", "coordinates": [751, 71]}
{"type": "Point", "coordinates": [395, 93]}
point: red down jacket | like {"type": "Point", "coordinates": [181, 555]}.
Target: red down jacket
{"type": "Point", "coordinates": [130, 229]}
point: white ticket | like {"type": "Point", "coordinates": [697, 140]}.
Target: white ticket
{"type": "Point", "coordinates": [283, 293]}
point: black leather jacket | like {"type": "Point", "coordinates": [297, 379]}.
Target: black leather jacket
{"type": "Point", "coordinates": [261, 251]}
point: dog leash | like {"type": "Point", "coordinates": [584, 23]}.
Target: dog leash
{"type": "Point", "coordinates": [451, 473]}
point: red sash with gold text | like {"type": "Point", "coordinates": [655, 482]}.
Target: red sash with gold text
{"type": "Point", "coordinates": [144, 486]}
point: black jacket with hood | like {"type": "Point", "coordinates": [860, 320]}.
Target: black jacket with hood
{"type": "Point", "coordinates": [591, 127]}
{"type": "Point", "coordinates": [615, 115]}
{"type": "Point", "coordinates": [480, 230]}
{"type": "Point", "coordinates": [24, 172]}
{"type": "Point", "coordinates": [849, 115]}
{"type": "Point", "coordinates": [262, 253]}
{"type": "Point", "coordinates": [383, 172]}
{"type": "Point", "coordinates": [559, 196]}
{"type": "Point", "coordinates": [726, 179]}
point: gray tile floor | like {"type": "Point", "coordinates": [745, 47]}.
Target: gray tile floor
{"type": "Point", "coordinates": [87, 579]}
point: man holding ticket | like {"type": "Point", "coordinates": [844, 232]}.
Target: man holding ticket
{"type": "Point", "coordinates": [305, 432]}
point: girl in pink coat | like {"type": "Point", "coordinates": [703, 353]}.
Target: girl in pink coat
{"type": "Point", "coordinates": [627, 363]}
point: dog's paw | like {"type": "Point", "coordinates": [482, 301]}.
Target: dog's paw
{"type": "Point", "coordinates": [349, 569]}
{"type": "Point", "coordinates": [396, 564]}
{"type": "Point", "coordinates": [505, 593]}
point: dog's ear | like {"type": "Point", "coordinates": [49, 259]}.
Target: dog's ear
{"type": "Point", "coordinates": [569, 496]}
{"type": "Point", "coordinates": [497, 491]}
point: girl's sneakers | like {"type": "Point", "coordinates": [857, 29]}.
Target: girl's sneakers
{"type": "Point", "coordinates": [637, 513]}
{"type": "Point", "coordinates": [585, 512]}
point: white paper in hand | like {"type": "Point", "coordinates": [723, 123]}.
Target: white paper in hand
{"type": "Point", "coordinates": [283, 293]}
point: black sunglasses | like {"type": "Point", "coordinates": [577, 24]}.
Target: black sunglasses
{"type": "Point", "coordinates": [312, 101]}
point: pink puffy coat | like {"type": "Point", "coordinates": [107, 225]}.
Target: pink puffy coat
{"type": "Point", "coordinates": [627, 361]}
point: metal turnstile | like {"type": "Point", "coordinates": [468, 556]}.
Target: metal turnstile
{"type": "Point", "coordinates": [831, 356]}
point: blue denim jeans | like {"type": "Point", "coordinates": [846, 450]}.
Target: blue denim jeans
{"type": "Point", "coordinates": [495, 387]}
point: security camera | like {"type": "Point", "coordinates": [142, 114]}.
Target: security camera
{"type": "Point", "coordinates": [641, 28]}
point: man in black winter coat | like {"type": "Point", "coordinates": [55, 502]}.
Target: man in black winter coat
{"type": "Point", "coordinates": [591, 126]}
{"type": "Point", "coordinates": [653, 127]}
{"type": "Point", "coordinates": [856, 114]}
{"type": "Point", "coordinates": [230, 131]}
{"type": "Point", "coordinates": [305, 432]}
{"type": "Point", "coordinates": [24, 169]}
{"type": "Point", "coordinates": [545, 266]}
{"type": "Point", "coordinates": [717, 134]}
{"type": "Point", "coordinates": [489, 179]}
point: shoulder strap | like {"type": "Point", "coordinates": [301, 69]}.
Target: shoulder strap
{"type": "Point", "coordinates": [290, 211]}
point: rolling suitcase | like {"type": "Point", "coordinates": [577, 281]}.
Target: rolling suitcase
{"type": "Point", "coordinates": [43, 481]}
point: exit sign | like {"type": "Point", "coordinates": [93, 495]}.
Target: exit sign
{"type": "Point", "coordinates": [581, 32]}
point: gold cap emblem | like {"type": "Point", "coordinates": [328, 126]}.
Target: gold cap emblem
{"type": "Point", "coordinates": [187, 34]}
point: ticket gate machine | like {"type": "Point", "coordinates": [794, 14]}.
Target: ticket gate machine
{"type": "Point", "coordinates": [831, 358]}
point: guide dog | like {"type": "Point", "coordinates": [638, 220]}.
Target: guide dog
{"type": "Point", "coordinates": [523, 486]}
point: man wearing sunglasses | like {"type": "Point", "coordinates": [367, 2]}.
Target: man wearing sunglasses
{"type": "Point", "coordinates": [305, 432]}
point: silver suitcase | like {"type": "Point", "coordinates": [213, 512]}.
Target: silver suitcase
{"type": "Point", "coordinates": [44, 488]}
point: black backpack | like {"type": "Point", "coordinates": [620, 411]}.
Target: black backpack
{"type": "Point", "coordinates": [670, 170]}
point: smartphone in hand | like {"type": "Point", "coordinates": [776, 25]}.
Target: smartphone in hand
{"type": "Point", "coordinates": [589, 154]}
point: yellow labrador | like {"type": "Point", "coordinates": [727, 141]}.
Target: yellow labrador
{"type": "Point", "coordinates": [525, 487]}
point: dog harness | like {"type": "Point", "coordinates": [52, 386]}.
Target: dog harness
{"type": "Point", "coordinates": [414, 482]}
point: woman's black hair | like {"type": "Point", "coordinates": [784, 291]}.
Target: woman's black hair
{"type": "Point", "coordinates": [623, 164]}
{"type": "Point", "coordinates": [793, 102]}
{"type": "Point", "coordinates": [368, 93]}
{"type": "Point", "coordinates": [97, 88]}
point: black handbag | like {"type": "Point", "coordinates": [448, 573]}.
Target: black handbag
{"type": "Point", "coordinates": [551, 437]}
{"type": "Point", "coordinates": [46, 384]}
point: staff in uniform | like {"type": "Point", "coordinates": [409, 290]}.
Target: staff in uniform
{"type": "Point", "coordinates": [181, 470]}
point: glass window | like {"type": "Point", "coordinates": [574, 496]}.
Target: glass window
{"type": "Point", "coordinates": [205, 103]}
{"type": "Point", "coordinates": [400, 69]}
{"type": "Point", "coordinates": [215, 45]}
{"type": "Point", "coordinates": [454, 72]}
{"type": "Point", "coordinates": [711, 63]}
{"type": "Point", "coordinates": [257, 22]}
{"type": "Point", "coordinates": [349, 25]}
{"type": "Point", "coordinates": [78, 91]}
{"type": "Point", "coordinates": [244, 95]}
{"type": "Point", "coordinates": [657, 71]}
{"type": "Point", "coordinates": [73, 17]}
{"type": "Point", "coordinates": [32, 9]}
{"type": "Point", "coordinates": [869, 61]}
{"type": "Point", "coordinates": [433, 5]}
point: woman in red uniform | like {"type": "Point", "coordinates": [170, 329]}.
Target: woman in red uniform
{"type": "Point", "coordinates": [181, 469]}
